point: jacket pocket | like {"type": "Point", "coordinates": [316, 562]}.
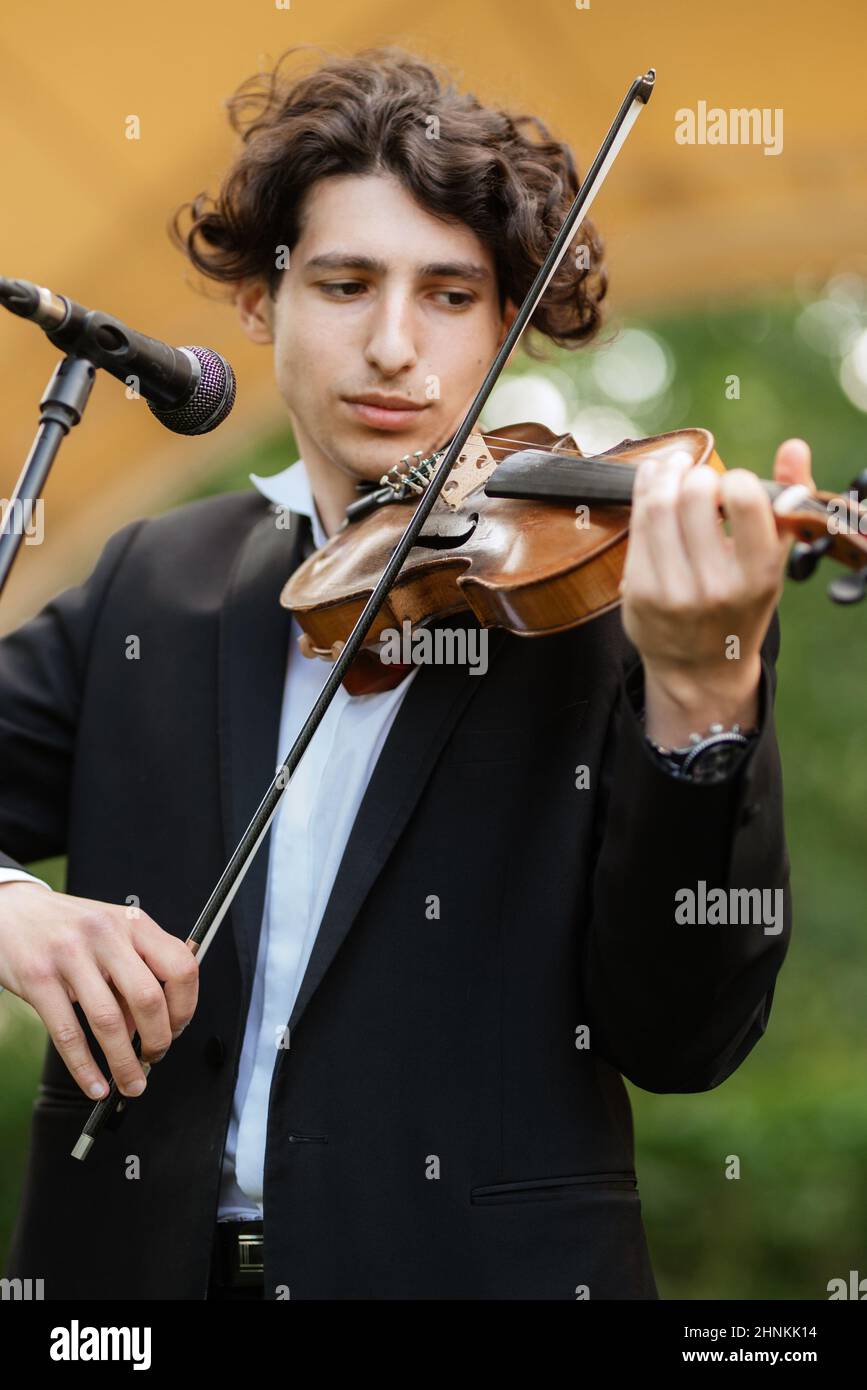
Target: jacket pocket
{"type": "Point", "coordinates": [553, 1189]}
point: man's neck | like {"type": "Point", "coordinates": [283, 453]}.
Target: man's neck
{"type": "Point", "coordinates": [332, 490]}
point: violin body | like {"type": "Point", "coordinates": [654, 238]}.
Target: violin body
{"type": "Point", "coordinates": [533, 567]}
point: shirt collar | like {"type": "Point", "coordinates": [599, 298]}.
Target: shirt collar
{"type": "Point", "coordinates": [291, 488]}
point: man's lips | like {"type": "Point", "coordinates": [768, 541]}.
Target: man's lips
{"type": "Point", "coordinates": [374, 411]}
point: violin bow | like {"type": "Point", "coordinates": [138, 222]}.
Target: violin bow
{"type": "Point", "coordinates": [218, 903]}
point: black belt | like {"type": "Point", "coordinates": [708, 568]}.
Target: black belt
{"type": "Point", "coordinates": [238, 1255]}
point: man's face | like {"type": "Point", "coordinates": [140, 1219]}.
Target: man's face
{"type": "Point", "coordinates": [380, 297]}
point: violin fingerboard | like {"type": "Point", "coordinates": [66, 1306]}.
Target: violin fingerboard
{"type": "Point", "coordinates": [561, 478]}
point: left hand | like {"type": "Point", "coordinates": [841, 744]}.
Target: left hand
{"type": "Point", "coordinates": [697, 602]}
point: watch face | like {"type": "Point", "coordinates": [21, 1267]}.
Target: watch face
{"type": "Point", "coordinates": [715, 762]}
{"type": "Point", "coordinates": [704, 764]}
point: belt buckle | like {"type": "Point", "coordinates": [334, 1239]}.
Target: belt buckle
{"type": "Point", "coordinates": [250, 1250]}
{"type": "Point", "coordinates": [242, 1254]}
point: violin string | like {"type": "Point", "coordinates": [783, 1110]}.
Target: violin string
{"type": "Point", "coordinates": [499, 443]}
{"type": "Point", "coordinates": [502, 441]}
{"type": "Point", "coordinates": [809, 503]}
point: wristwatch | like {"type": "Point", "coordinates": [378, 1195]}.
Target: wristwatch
{"type": "Point", "coordinates": [706, 758]}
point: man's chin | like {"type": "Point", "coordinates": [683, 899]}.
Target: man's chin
{"type": "Point", "coordinates": [367, 459]}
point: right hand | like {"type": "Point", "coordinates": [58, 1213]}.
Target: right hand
{"type": "Point", "coordinates": [56, 950]}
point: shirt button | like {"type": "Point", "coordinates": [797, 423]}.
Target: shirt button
{"type": "Point", "coordinates": [215, 1051]}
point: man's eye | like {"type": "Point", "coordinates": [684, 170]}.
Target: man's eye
{"type": "Point", "coordinates": [461, 296]}
{"type": "Point", "coordinates": [334, 287]}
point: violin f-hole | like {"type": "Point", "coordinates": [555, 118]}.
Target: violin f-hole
{"type": "Point", "coordinates": [452, 531]}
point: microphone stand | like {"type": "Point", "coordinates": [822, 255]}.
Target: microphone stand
{"type": "Point", "coordinates": [61, 407]}
{"type": "Point", "coordinates": [92, 339]}
{"type": "Point", "coordinates": [218, 903]}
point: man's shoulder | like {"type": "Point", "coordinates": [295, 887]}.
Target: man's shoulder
{"type": "Point", "coordinates": [206, 520]}
{"type": "Point", "coordinates": [207, 526]}
{"type": "Point", "coordinates": [193, 544]}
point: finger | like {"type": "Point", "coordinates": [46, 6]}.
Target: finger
{"type": "Point", "coordinates": [143, 992]}
{"type": "Point", "coordinates": [172, 963]}
{"type": "Point", "coordinates": [704, 539]}
{"type": "Point", "coordinates": [757, 546]}
{"type": "Point", "coordinates": [793, 463]}
{"type": "Point", "coordinates": [54, 1008]}
{"type": "Point", "coordinates": [106, 1019]}
{"type": "Point", "coordinates": [124, 1008]}
{"type": "Point", "coordinates": [660, 515]}
{"type": "Point", "coordinates": [638, 563]}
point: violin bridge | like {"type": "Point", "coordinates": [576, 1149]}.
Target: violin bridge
{"type": "Point", "coordinates": [471, 471]}
{"type": "Point", "coordinates": [473, 467]}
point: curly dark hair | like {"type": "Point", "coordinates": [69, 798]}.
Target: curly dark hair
{"type": "Point", "coordinates": [385, 110]}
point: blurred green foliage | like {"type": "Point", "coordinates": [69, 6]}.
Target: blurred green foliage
{"type": "Point", "coordinates": [795, 1114]}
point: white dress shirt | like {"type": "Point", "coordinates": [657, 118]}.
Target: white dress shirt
{"type": "Point", "coordinates": [308, 836]}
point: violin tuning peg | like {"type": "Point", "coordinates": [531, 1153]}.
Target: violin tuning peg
{"type": "Point", "coordinates": [800, 563]}
{"type": "Point", "coordinates": [858, 485]}
{"type": "Point", "coordinates": [849, 588]}
{"type": "Point", "coordinates": [805, 556]}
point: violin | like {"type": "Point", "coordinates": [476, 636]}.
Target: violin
{"type": "Point", "coordinates": [527, 534]}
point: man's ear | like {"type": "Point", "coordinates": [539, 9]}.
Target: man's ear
{"type": "Point", "coordinates": [255, 310]}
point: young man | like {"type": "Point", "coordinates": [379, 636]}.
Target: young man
{"type": "Point", "coordinates": [400, 1074]}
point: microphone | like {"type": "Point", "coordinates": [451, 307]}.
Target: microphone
{"type": "Point", "coordinates": [190, 389]}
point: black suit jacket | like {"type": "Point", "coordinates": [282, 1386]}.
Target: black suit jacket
{"type": "Point", "coordinates": [433, 1130]}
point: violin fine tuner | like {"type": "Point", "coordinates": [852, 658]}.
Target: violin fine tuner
{"type": "Point", "coordinates": [404, 480]}
{"type": "Point", "coordinates": [415, 476]}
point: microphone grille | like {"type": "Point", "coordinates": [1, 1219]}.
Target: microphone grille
{"type": "Point", "coordinates": [212, 398]}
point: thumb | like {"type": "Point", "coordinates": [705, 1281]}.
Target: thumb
{"type": "Point", "coordinates": [792, 463]}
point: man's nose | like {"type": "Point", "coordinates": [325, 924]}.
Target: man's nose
{"type": "Point", "coordinates": [391, 346]}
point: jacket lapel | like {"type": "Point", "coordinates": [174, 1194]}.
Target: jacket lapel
{"type": "Point", "coordinates": [432, 706]}
{"type": "Point", "coordinates": [253, 651]}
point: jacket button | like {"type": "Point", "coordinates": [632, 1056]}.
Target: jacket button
{"type": "Point", "coordinates": [215, 1051]}
{"type": "Point", "coordinates": [750, 812]}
